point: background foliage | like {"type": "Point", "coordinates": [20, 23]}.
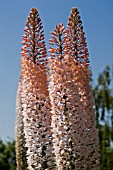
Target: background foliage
{"type": "Point", "coordinates": [103, 93]}
{"type": "Point", "coordinates": [7, 155]}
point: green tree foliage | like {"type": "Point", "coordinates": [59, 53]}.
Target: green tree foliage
{"type": "Point", "coordinates": [103, 93]}
{"type": "Point", "coordinates": [7, 155]}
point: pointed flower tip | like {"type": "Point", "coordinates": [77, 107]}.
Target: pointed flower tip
{"type": "Point", "coordinates": [33, 9]}
{"type": "Point", "coordinates": [74, 9]}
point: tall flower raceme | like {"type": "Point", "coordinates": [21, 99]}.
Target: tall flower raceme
{"type": "Point", "coordinates": [34, 95]}
{"type": "Point", "coordinates": [61, 90]}
{"type": "Point", "coordinates": [19, 134]}
{"type": "Point", "coordinates": [81, 79]}
{"type": "Point", "coordinates": [75, 138]}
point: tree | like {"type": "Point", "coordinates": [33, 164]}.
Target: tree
{"type": "Point", "coordinates": [7, 155]}
{"type": "Point", "coordinates": [103, 93]}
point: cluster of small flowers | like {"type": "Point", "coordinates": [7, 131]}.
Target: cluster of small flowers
{"type": "Point", "coordinates": [57, 108]}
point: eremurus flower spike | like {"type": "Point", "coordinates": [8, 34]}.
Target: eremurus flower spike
{"type": "Point", "coordinates": [35, 96]}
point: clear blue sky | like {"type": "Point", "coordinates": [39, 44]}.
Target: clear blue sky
{"type": "Point", "coordinates": [97, 17]}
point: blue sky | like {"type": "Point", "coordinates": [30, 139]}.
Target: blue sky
{"type": "Point", "coordinates": [97, 18]}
